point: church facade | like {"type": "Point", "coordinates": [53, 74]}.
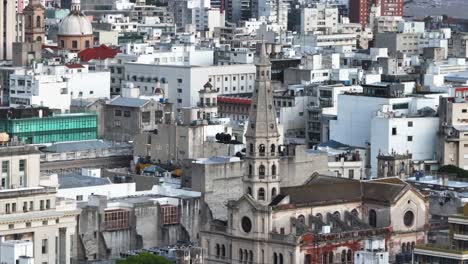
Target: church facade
{"type": "Point", "coordinates": [324, 220]}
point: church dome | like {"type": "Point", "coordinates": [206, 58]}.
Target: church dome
{"type": "Point", "coordinates": [75, 24]}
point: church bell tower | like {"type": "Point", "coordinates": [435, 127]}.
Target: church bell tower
{"type": "Point", "coordinates": [34, 29]}
{"type": "Point", "coordinates": [261, 179]}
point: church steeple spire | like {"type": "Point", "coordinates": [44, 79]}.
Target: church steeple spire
{"type": "Point", "coordinates": [261, 179]}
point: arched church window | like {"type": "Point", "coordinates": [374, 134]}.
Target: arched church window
{"type": "Point", "coordinates": [241, 255]}
{"type": "Point", "coordinates": [251, 148]}
{"type": "Point", "coordinates": [250, 256]}
{"type": "Point", "coordinates": [249, 190]}
{"type": "Point", "coordinates": [349, 256]}
{"type": "Point", "coordinates": [261, 194]}
{"type": "Point", "coordinates": [301, 218]}
{"type": "Point", "coordinates": [223, 251]}
{"type": "Point", "coordinates": [330, 257]}
{"type": "Point", "coordinates": [30, 24]}
{"type": "Point", "coordinates": [319, 216]}
{"type": "Point", "coordinates": [273, 192]}
{"type": "Point", "coordinates": [217, 251]}
{"type": "Point", "coordinates": [250, 170]}
{"type": "Point", "coordinates": [280, 258]}
{"type": "Point", "coordinates": [337, 214]}
{"type": "Point", "coordinates": [343, 256]}
{"type": "Point", "coordinates": [38, 21]}
{"type": "Point", "coordinates": [261, 149]}
{"type": "Point", "coordinates": [275, 258]}
{"type": "Point", "coordinates": [273, 169]}
{"type": "Point", "coordinates": [261, 171]}
{"type": "Point", "coordinates": [246, 255]}
{"type": "Point", "coordinates": [272, 149]}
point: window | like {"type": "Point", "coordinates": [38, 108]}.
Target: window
{"type": "Point", "coordinates": [22, 173]}
{"type": "Point", "coordinates": [38, 21]}
{"type": "Point", "coordinates": [31, 206]}
{"type": "Point", "coordinates": [45, 222]}
{"type": "Point", "coordinates": [79, 197]}
{"type": "Point", "coordinates": [118, 112]}
{"type": "Point", "coordinates": [170, 214]}
{"type": "Point", "coordinates": [41, 205]}
{"type": "Point", "coordinates": [25, 206]}
{"type": "Point", "coordinates": [273, 169]}
{"type": "Point", "coordinates": [464, 110]}
{"type": "Point", "coordinates": [351, 174]}
{"type": "Point", "coordinates": [410, 123]}
{"type": "Point", "coordinates": [261, 150]}
{"type": "Point", "coordinates": [127, 114]}
{"type": "Point", "coordinates": [11, 226]}
{"type": "Point", "coordinates": [44, 246]}
{"type": "Point", "coordinates": [7, 208]}
{"type": "Point", "coordinates": [145, 117]}
{"type": "Point", "coordinates": [74, 44]}
{"type": "Point", "coordinates": [261, 194]}
{"type": "Point", "coordinates": [394, 131]}
{"type": "Point", "coordinates": [179, 101]}
{"type": "Point", "coordinates": [13, 207]}
{"type": "Point", "coordinates": [408, 218]}
{"type": "Point", "coordinates": [47, 204]}
{"type": "Point", "coordinates": [117, 123]}
{"type": "Point", "coordinates": [261, 171]}
{"type": "Point", "coordinates": [372, 218]}
{"type": "Point", "coordinates": [410, 138]}
{"type": "Point", "coordinates": [22, 165]}
{"type": "Point", "coordinates": [87, 44]}
{"type": "Point", "coordinates": [179, 80]}
{"type": "Point", "coordinates": [246, 224]}
{"type": "Point", "coordinates": [5, 173]}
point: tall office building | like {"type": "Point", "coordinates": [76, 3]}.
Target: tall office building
{"type": "Point", "coordinates": [7, 28]}
{"type": "Point", "coordinates": [360, 10]}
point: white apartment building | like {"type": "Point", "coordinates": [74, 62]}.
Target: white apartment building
{"type": "Point", "coordinates": [401, 134]}
{"type": "Point", "coordinates": [387, 23]}
{"type": "Point", "coordinates": [206, 19]}
{"type": "Point", "coordinates": [55, 86]}
{"type": "Point", "coordinates": [116, 22]}
{"type": "Point", "coordinates": [358, 124]}
{"type": "Point", "coordinates": [311, 41]}
{"type": "Point", "coordinates": [180, 55]}
{"type": "Point", "coordinates": [181, 84]}
{"type": "Point", "coordinates": [319, 18]}
{"type": "Point", "coordinates": [275, 11]}
{"type": "Point", "coordinates": [435, 39]}
{"type": "Point", "coordinates": [30, 210]}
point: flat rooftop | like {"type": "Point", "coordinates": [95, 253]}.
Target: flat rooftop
{"type": "Point", "coordinates": [438, 181]}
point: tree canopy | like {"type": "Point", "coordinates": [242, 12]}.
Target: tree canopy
{"type": "Point", "coordinates": [144, 258]}
{"type": "Point", "coordinates": [454, 170]}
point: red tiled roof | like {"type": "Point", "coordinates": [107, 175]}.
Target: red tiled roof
{"type": "Point", "coordinates": [234, 100]}
{"type": "Point", "coordinates": [100, 53]}
{"type": "Point", "coordinates": [74, 66]}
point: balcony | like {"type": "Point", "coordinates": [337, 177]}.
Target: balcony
{"type": "Point", "coordinates": [207, 105]}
